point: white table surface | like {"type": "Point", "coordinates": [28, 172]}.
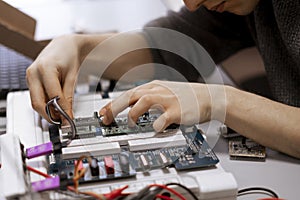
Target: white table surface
{"type": "Point", "coordinates": [279, 172]}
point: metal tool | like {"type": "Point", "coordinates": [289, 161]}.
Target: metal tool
{"type": "Point", "coordinates": [53, 102]}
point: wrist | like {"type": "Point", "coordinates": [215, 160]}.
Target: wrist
{"type": "Point", "coordinates": [218, 101]}
{"type": "Point", "coordinates": [86, 43]}
{"type": "Point", "coordinates": [232, 100]}
{"type": "Point", "coordinates": [212, 101]}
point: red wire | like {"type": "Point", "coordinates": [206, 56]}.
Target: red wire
{"type": "Point", "coordinates": [38, 172]}
{"type": "Point", "coordinates": [169, 189]}
{"type": "Point", "coordinates": [163, 197]}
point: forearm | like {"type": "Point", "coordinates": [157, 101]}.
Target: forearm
{"type": "Point", "coordinates": [267, 122]}
{"type": "Point", "coordinates": [121, 64]}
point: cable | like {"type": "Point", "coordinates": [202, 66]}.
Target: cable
{"type": "Point", "coordinates": [252, 189]}
{"type": "Point", "coordinates": [163, 197]}
{"type": "Point", "coordinates": [185, 188]}
{"type": "Point", "coordinates": [91, 194]}
{"type": "Point", "coordinates": [38, 172]}
{"type": "Point", "coordinates": [169, 189]}
{"type": "Point", "coordinates": [71, 194]}
{"type": "Point", "coordinates": [79, 173]}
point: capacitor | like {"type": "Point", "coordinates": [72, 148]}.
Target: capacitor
{"type": "Point", "coordinates": [94, 167]}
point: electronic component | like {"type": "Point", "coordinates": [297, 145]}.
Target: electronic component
{"type": "Point", "coordinates": [39, 150]}
{"type": "Point", "coordinates": [156, 142]}
{"type": "Point", "coordinates": [144, 163]}
{"type": "Point", "coordinates": [46, 184]}
{"type": "Point", "coordinates": [109, 165]}
{"type": "Point", "coordinates": [91, 150]}
{"type": "Point", "coordinates": [119, 151]}
{"type": "Point", "coordinates": [241, 148]}
{"type": "Point", "coordinates": [56, 106]}
{"type": "Point", "coordinates": [94, 167]}
{"type": "Point", "coordinates": [124, 162]}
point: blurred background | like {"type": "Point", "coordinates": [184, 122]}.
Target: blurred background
{"type": "Point", "coordinates": [57, 17]}
{"type": "Point", "coordinates": [53, 18]}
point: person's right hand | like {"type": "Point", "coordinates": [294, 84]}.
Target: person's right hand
{"type": "Point", "coordinates": [54, 73]}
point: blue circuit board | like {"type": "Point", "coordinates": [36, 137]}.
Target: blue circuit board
{"type": "Point", "coordinates": [196, 153]}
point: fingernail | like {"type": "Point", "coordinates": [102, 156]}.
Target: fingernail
{"type": "Point", "coordinates": [159, 124]}
{"type": "Point", "coordinates": [131, 123]}
{"type": "Point", "coordinates": [102, 112]}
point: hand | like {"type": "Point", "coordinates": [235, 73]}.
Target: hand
{"type": "Point", "coordinates": [55, 70]}
{"type": "Point", "coordinates": [54, 73]}
{"type": "Point", "coordinates": [181, 103]}
{"type": "Point", "coordinates": [239, 7]}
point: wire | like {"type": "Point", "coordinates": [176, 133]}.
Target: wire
{"type": "Point", "coordinates": [163, 197]}
{"type": "Point", "coordinates": [91, 194]}
{"type": "Point", "coordinates": [79, 173]}
{"type": "Point", "coordinates": [169, 189]}
{"type": "Point", "coordinates": [252, 189]}
{"type": "Point", "coordinates": [38, 172]}
{"type": "Point", "coordinates": [185, 188]}
{"type": "Point", "coordinates": [71, 194]}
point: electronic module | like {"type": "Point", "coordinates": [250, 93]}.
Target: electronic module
{"type": "Point", "coordinates": [119, 151]}
{"type": "Point", "coordinates": [56, 162]}
{"type": "Point", "coordinates": [242, 148]}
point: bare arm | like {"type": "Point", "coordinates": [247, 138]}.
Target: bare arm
{"type": "Point", "coordinates": [270, 123]}
{"type": "Point", "coordinates": [267, 122]}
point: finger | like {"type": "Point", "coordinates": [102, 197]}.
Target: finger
{"type": "Point", "coordinates": [127, 99]}
{"type": "Point", "coordinates": [107, 115]}
{"type": "Point", "coordinates": [212, 4]}
{"type": "Point", "coordinates": [142, 106]}
{"type": "Point", "coordinates": [68, 92]}
{"type": "Point", "coordinates": [50, 79]}
{"type": "Point", "coordinates": [162, 122]}
{"type": "Point", "coordinates": [36, 90]}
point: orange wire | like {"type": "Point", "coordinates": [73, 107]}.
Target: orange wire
{"type": "Point", "coordinates": [97, 196]}
{"type": "Point", "coordinates": [78, 175]}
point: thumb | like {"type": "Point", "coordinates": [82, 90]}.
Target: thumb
{"type": "Point", "coordinates": [66, 105]}
{"type": "Point", "coordinates": [161, 123]}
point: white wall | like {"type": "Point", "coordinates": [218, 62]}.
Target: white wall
{"type": "Point", "coordinates": [57, 17]}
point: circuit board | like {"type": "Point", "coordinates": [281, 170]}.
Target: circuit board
{"type": "Point", "coordinates": [241, 148]}
{"type": "Point", "coordinates": [120, 151]}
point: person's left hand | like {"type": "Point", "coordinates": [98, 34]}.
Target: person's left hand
{"type": "Point", "coordinates": [181, 103]}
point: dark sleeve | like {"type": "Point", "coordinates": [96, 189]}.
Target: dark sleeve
{"type": "Point", "coordinates": [220, 34]}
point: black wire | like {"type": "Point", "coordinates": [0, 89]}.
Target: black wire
{"type": "Point", "coordinates": [185, 188]}
{"type": "Point", "coordinates": [73, 195]}
{"type": "Point", "coordinates": [251, 189]}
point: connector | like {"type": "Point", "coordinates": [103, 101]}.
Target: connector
{"type": "Point", "coordinates": [46, 184]}
{"type": "Point", "coordinates": [39, 150]}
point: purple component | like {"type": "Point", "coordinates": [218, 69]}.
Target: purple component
{"type": "Point", "coordinates": [47, 184]}
{"type": "Point", "coordinates": [40, 150]}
